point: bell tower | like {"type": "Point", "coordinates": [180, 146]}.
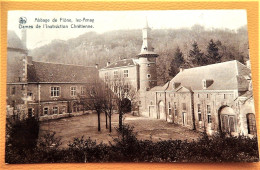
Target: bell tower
{"type": "Point", "coordinates": [147, 61]}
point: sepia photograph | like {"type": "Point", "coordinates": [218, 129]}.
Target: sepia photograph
{"type": "Point", "coordinates": [129, 86]}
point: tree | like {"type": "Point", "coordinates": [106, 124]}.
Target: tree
{"type": "Point", "coordinates": [213, 55]}
{"type": "Point", "coordinates": [108, 103]}
{"type": "Point", "coordinates": [196, 55]}
{"type": "Point", "coordinates": [176, 62]}
{"type": "Point", "coordinates": [125, 95]}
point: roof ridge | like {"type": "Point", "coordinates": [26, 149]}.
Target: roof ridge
{"type": "Point", "coordinates": [209, 65]}
{"type": "Point", "coordinates": [61, 64]}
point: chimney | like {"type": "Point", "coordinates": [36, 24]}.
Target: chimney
{"type": "Point", "coordinates": [108, 63]}
{"type": "Point", "coordinates": [24, 38]}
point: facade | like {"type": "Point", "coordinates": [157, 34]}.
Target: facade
{"type": "Point", "coordinates": [210, 98]}
{"type": "Point", "coordinates": [45, 90]}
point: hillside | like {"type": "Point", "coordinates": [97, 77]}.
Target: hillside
{"type": "Point", "coordinates": [92, 48]}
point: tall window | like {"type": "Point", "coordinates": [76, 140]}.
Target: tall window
{"type": "Point", "coordinates": [126, 88]}
{"type": "Point", "coordinates": [106, 75]}
{"type": "Point", "coordinates": [199, 113]}
{"type": "Point", "coordinates": [209, 114]}
{"type": "Point", "coordinates": [55, 91]}
{"type": "Point", "coordinates": [251, 125]}
{"type": "Point", "coordinates": [73, 91]}
{"type": "Point", "coordinates": [125, 73]}
{"type": "Point", "coordinates": [55, 110]}
{"type": "Point", "coordinates": [183, 106]}
{"type": "Point", "coordinates": [175, 109]}
{"type": "Point", "coordinates": [115, 74]}
{"type": "Point", "coordinates": [82, 90]}
{"type": "Point", "coordinates": [45, 111]}
{"type": "Point", "coordinates": [169, 108]}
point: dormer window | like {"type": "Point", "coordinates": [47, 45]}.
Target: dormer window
{"type": "Point", "coordinates": [175, 85]}
{"type": "Point", "coordinates": [206, 83]}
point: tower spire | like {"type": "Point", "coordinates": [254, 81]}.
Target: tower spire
{"type": "Point", "coordinates": [147, 48]}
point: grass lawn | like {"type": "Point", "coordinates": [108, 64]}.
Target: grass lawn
{"type": "Point", "coordinates": [146, 128]}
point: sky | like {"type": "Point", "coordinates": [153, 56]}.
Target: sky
{"type": "Point", "coordinates": [104, 21]}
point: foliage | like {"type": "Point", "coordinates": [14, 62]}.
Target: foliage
{"type": "Point", "coordinates": [212, 55]}
{"type": "Point", "coordinates": [196, 55]}
{"type": "Point", "coordinates": [127, 148]}
{"type": "Point", "coordinates": [22, 134]}
{"type": "Point", "coordinates": [91, 48]}
{"type": "Point", "coordinates": [176, 62]}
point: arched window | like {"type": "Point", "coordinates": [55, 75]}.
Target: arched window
{"type": "Point", "coordinates": [251, 125]}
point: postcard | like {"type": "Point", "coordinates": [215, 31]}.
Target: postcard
{"type": "Point", "coordinates": [129, 86]}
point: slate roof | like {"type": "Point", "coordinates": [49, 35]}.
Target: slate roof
{"type": "Point", "coordinates": [228, 75]}
{"type": "Point", "coordinates": [13, 41]}
{"type": "Point", "coordinates": [60, 73]}
{"type": "Point", "coordinates": [121, 63]}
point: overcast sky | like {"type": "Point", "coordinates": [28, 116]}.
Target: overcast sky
{"type": "Point", "coordinates": [116, 20]}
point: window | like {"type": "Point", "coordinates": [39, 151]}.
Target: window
{"type": "Point", "coordinates": [175, 109]}
{"type": "Point", "coordinates": [209, 114]}
{"type": "Point", "coordinates": [125, 73]}
{"type": "Point", "coordinates": [198, 95]}
{"type": "Point", "coordinates": [251, 125]}
{"type": "Point", "coordinates": [140, 102]}
{"type": "Point", "coordinates": [73, 91]}
{"type": "Point", "coordinates": [148, 65]}
{"type": "Point", "coordinates": [126, 88]}
{"type": "Point", "coordinates": [183, 106]}
{"type": "Point", "coordinates": [169, 108]}
{"type": "Point", "coordinates": [45, 111]}
{"type": "Point", "coordinates": [106, 75]}
{"type": "Point", "coordinates": [12, 90]}
{"type": "Point", "coordinates": [55, 91]}
{"type": "Point", "coordinates": [30, 112]}
{"type": "Point", "coordinates": [82, 90]}
{"type": "Point", "coordinates": [148, 75]}
{"type": "Point", "coordinates": [55, 110]}
{"type": "Point", "coordinates": [199, 113]}
{"type": "Point", "coordinates": [23, 87]}
{"type": "Point", "coordinates": [115, 74]}
{"type": "Point", "coordinates": [207, 96]}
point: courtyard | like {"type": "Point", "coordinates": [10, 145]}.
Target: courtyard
{"type": "Point", "coordinates": [86, 125]}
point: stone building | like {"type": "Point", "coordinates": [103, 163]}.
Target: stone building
{"type": "Point", "coordinates": [210, 98]}
{"type": "Point", "coordinates": [46, 90]}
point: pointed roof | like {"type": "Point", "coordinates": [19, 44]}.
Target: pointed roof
{"type": "Point", "coordinates": [230, 75]}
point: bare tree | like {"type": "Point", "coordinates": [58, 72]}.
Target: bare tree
{"type": "Point", "coordinates": [125, 95]}
{"type": "Point", "coordinates": [108, 103]}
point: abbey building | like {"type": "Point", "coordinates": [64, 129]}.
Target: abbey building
{"type": "Point", "coordinates": [216, 97]}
